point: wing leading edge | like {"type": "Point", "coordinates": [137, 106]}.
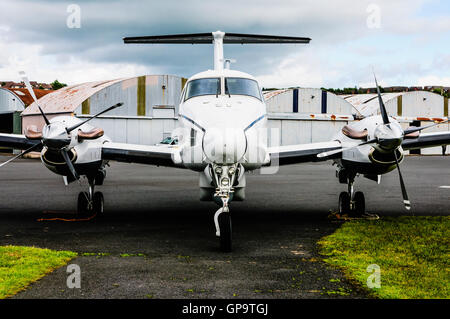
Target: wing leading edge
{"type": "Point", "coordinates": [424, 140]}
{"type": "Point", "coordinates": [142, 154]}
{"type": "Point", "coordinates": [17, 141]}
{"type": "Point", "coordinates": [301, 153]}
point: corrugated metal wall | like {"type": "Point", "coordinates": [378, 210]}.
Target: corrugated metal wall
{"type": "Point", "coordinates": [9, 102]}
{"type": "Point", "coordinates": [307, 100]}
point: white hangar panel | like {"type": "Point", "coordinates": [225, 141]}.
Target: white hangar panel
{"type": "Point", "coordinates": [279, 101]}
{"type": "Point", "coordinates": [323, 131]}
{"type": "Point", "coordinates": [309, 100]}
{"type": "Point", "coordinates": [145, 131]}
{"type": "Point", "coordinates": [124, 91]}
{"type": "Point", "coordinates": [295, 132]}
{"type": "Point", "coordinates": [133, 131]}
{"type": "Point", "coordinates": [423, 104]}
{"type": "Point", "coordinates": [274, 134]}
{"type": "Point", "coordinates": [10, 102]}
{"type": "Point", "coordinates": [404, 104]}
{"type": "Point", "coordinates": [337, 105]}
{"type": "Point", "coordinates": [120, 129]}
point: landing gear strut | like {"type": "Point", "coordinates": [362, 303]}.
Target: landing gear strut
{"type": "Point", "coordinates": [351, 203]}
{"type": "Point", "coordinates": [224, 177]}
{"type": "Point", "coordinates": [90, 202]}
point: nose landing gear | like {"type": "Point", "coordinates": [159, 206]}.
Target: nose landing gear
{"type": "Point", "coordinates": [222, 220]}
{"type": "Point", "coordinates": [224, 178]}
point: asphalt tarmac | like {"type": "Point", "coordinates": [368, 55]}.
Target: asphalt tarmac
{"type": "Point", "coordinates": [156, 239]}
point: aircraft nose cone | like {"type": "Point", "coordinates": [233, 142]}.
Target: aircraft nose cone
{"type": "Point", "coordinates": [224, 146]}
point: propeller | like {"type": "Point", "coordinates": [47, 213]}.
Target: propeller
{"type": "Point", "coordinates": [30, 89]}
{"type": "Point", "coordinates": [420, 128]}
{"type": "Point", "coordinates": [70, 129]}
{"type": "Point", "coordinates": [406, 201]}
{"type": "Point", "coordinates": [329, 153]}
{"type": "Point", "coordinates": [383, 112]}
{"type": "Point", "coordinates": [55, 137]}
{"type": "Point", "coordinates": [32, 148]}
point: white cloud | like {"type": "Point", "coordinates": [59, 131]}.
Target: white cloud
{"type": "Point", "coordinates": [341, 51]}
{"type": "Point", "coordinates": [69, 69]}
{"type": "Point", "coordinates": [433, 80]}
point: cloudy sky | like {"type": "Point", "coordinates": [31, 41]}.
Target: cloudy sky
{"type": "Point", "coordinates": [406, 42]}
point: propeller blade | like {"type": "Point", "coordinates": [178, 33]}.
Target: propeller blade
{"type": "Point", "coordinates": [329, 153]}
{"type": "Point", "coordinates": [420, 128]}
{"type": "Point", "coordinates": [22, 154]}
{"type": "Point", "coordinates": [30, 89]}
{"type": "Point", "coordinates": [383, 112]}
{"type": "Point", "coordinates": [406, 201]}
{"type": "Point", "coordinates": [69, 164]}
{"type": "Point", "coordinates": [69, 129]}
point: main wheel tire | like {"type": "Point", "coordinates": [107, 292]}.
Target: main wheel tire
{"type": "Point", "coordinates": [98, 203]}
{"type": "Point", "coordinates": [99, 178]}
{"type": "Point", "coordinates": [82, 203]}
{"type": "Point", "coordinates": [225, 231]}
{"type": "Point", "coordinates": [344, 203]}
{"type": "Point", "coordinates": [360, 204]}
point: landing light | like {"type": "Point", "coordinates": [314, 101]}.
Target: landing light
{"type": "Point", "coordinates": [225, 181]}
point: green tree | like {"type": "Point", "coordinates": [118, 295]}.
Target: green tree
{"type": "Point", "coordinates": [56, 85]}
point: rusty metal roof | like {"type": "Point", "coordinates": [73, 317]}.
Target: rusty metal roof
{"type": "Point", "coordinates": [25, 96]}
{"type": "Point", "coordinates": [269, 94]}
{"type": "Point", "coordinates": [67, 99]}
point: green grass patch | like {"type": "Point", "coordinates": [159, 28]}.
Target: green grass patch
{"type": "Point", "coordinates": [413, 254]}
{"type": "Point", "coordinates": [20, 266]}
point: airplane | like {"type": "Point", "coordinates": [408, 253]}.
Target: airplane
{"type": "Point", "coordinates": [222, 134]}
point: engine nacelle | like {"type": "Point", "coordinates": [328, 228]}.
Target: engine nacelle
{"type": "Point", "coordinates": [55, 162]}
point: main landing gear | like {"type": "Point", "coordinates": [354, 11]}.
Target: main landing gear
{"type": "Point", "coordinates": [352, 203]}
{"type": "Point", "coordinates": [224, 177]}
{"type": "Point", "coordinates": [90, 203]}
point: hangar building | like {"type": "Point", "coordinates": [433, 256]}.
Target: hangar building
{"type": "Point", "coordinates": [306, 115]}
{"type": "Point", "coordinates": [147, 116]}
{"type": "Point", "coordinates": [12, 103]}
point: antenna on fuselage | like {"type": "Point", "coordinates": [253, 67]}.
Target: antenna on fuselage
{"type": "Point", "coordinates": [217, 38]}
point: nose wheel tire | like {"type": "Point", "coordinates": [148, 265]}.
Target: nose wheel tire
{"type": "Point", "coordinates": [225, 231]}
{"type": "Point", "coordinates": [344, 203]}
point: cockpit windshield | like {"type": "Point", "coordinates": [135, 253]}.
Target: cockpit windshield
{"type": "Point", "coordinates": [241, 86]}
{"type": "Point", "coordinates": [206, 86]}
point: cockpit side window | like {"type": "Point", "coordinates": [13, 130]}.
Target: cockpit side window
{"type": "Point", "coordinates": [206, 86]}
{"type": "Point", "coordinates": [242, 86]}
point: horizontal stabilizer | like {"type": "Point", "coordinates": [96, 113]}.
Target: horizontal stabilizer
{"type": "Point", "coordinates": [201, 38]}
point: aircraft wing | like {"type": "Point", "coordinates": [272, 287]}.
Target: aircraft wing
{"type": "Point", "coordinates": [17, 141]}
{"type": "Point", "coordinates": [301, 153]}
{"type": "Point", "coordinates": [424, 140]}
{"type": "Point", "coordinates": [142, 154]}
